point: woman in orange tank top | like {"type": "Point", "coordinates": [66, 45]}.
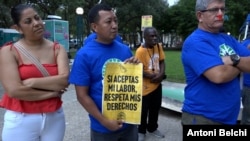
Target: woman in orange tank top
{"type": "Point", "coordinates": [34, 74]}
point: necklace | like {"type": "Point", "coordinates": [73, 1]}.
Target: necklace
{"type": "Point", "coordinates": [151, 58]}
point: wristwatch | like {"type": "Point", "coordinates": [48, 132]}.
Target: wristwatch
{"type": "Point", "coordinates": [235, 59]}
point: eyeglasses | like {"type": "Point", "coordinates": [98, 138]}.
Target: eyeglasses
{"type": "Point", "coordinates": [215, 10]}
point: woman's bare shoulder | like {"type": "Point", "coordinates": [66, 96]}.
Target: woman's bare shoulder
{"type": "Point", "coordinates": [7, 47]}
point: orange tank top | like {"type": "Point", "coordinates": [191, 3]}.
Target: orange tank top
{"type": "Point", "coordinates": [42, 106]}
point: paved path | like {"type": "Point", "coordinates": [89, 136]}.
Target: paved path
{"type": "Point", "coordinates": [77, 122]}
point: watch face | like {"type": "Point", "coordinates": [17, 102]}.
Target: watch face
{"type": "Point", "coordinates": [236, 57]}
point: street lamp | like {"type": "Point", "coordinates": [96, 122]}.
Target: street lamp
{"type": "Point", "coordinates": [64, 8]}
{"type": "Point", "coordinates": [79, 21]}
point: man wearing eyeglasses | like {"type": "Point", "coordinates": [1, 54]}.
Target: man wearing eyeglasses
{"type": "Point", "coordinates": [212, 62]}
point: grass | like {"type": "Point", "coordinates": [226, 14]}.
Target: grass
{"type": "Point", "coordinates": [174, 69]}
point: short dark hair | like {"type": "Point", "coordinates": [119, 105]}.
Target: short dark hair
{"type": "Point", "coordinates": [93, 15]}
{"type": "Point", "coordinates": [147, 29]}
{"type": "Point", "coordinates": [17, 10]}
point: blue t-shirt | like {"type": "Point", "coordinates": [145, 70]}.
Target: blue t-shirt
{"type": "Point", "coordinates": [88, 67]}
{"type": "Point", "coordinates": [246, 76]}
{"type": "Point", "coordinates": [203, 50]}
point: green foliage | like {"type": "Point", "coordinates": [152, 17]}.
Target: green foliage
{"type": "Point", "coordinates": [5, 5]}
{"type": "Point", "coordinates": [179, 18]}
{"type": "Point", "coordinates": [237, 12]}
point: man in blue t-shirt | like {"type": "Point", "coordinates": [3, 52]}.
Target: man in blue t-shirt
{"type": "Point", "coordinates": [212, 62]}
{"type": "Point", "coordinates": [88, 70]}
{"type": "Point", "coordinates": [245, 93]}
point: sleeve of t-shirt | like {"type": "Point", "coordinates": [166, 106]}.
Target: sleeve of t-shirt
{"type": "Point", "coordinates": [201, 56]}
{"type": "Point", "coordinates": [79, 71]}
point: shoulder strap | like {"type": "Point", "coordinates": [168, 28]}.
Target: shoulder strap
{"type": "Point", "coordinates": [6, 44]}
{"type": "Point", "coordinates": [32, 59]}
